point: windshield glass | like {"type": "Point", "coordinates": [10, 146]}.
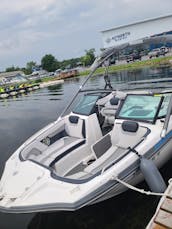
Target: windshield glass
{"type": "Point", "coordinates": [86, 105]}
{"type": "Point", "coordinates": [140, 107]}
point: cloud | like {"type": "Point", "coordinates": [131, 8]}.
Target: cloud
{"type": "Point", "coordinates": [21, 6]}
{"type": "Point", "coordinates": [65, 27]}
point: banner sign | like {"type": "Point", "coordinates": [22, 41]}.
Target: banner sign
{"type": "Point", "coordinates": [137, 31]}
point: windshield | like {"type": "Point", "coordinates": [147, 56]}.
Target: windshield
{"type": "Point", "coordinates": [141, 107]}
{"type": "Point", "coordinates": [86, 105]}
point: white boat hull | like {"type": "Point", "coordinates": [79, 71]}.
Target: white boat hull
{"type": "Point", "coordinates": [22, 91]}
{"type": "Point", "coordinates": [69, 196]}
{"type": "Point", "coordinates": [5, 95]}
{"type": "Point", "coordinates": [13, 93]}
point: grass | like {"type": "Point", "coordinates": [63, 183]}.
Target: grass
{"type": "Point", "coordinates": [155, 62]}
{"type": "Point", "coordinates": [43, 80]}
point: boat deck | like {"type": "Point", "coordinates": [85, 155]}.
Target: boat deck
{"type": "Point", "coordinates": [163, 216]}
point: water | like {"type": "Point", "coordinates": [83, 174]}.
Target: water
{"type": "Point", "coordinates": [22, 116]}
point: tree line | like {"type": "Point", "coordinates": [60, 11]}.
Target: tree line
{"type": "Point", "coordinates": [50, 63]}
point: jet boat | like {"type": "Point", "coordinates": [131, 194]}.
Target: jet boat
{"type": "Point", "coordinates": [3, 95]}
{"type": "Point", "coordinates": [73, 162]}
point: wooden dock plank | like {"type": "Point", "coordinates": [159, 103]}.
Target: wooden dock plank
{"type": "Point", "coordinates": [167, 205]}
{"type": "Point", "coordinates": [157, 226]}
{"type": "Point", "coordinates": [164, 218]}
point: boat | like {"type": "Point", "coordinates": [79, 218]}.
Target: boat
{"type": "Point", "coordinates": [35, 87]}
{"type": "Point", "coordinates": [28, 87]}
{"type": "Point", "coordinates": [20, 88]}
{"type": "Point", "coordinates": [98, 141]}
{"type": "Point", "coordinates": [12, 90]}
{"type": "Point", "coordinates": [13, 93]}
{"type": "Point", "coordinates": [3, 93]}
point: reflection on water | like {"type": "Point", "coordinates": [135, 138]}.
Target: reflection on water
{"type": "Point", "coordinates": [23, 115]}
{"type": "Point", "coordinates": [113, 213]}
{"type": "Point", "coordinates": [129, 210]}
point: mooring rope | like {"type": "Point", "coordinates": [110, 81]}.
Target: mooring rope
{"type": "Point", "coordinates": [142, 191]}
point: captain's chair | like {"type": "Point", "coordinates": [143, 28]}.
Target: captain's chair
{"type": "Point", "coordinates": [110, 109]}
{"type": "Point", "coordinates": [115, 145]}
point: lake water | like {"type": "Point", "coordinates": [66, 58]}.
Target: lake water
{"type": "Point", "coordinates": [22, 116]}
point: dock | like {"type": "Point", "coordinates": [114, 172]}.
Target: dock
{"type": "Point", "coordinates": [27, 88]}
{"type": "Point", "coordinates": [163, 216]}
{"type": "Point", "coordinates": [51, 83]}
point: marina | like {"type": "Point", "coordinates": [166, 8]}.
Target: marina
{"type": "Point", "coordinates": [86, 128]}
{"type": "Point", "coordinates": [7, 91]}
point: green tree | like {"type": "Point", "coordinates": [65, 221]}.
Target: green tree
{"type": "Point", "coordinates": [29, 66]}
{"type": "Point", "coordinates": [49, 63]}
{"type": "Point", "coordinates": [12, 69]}
{"type": "Point", "coordinates": [71, 63]}
{"type": "Point", "coordinates": [89, 57]}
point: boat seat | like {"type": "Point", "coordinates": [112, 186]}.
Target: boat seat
{"type": "Point", "coordinates": [100, 147]}
{"type": "Point", "coordinates": [34, 150]}
{"type": "Point", "coordinates": [115, 145]}
{"type": "Point", "coordinates": [109, 110]}
{"type": "Point", "coordinates": [128, 134]}
{"type": "Point", "coordinates": [52, 156]}
{"type": "Point", "coordinates": [102, 101]}
{"type": "Point", "coordinates": [75, 126]}
{"type": "Point", "coordinates": [71, 136]}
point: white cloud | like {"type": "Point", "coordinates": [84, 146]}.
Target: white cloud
{"type": "Point", "coordinates": [20, 5]}
{"type": "Point", "coordinates": [39, 26]}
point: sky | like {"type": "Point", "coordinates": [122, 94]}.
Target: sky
{"type": "Point", "coordinates": [65, 28]}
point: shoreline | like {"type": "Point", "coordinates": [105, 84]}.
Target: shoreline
{"type": "Point", "coordinates": [155, 62]}
{"type": "Point", "coordinates": [50, 83]}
